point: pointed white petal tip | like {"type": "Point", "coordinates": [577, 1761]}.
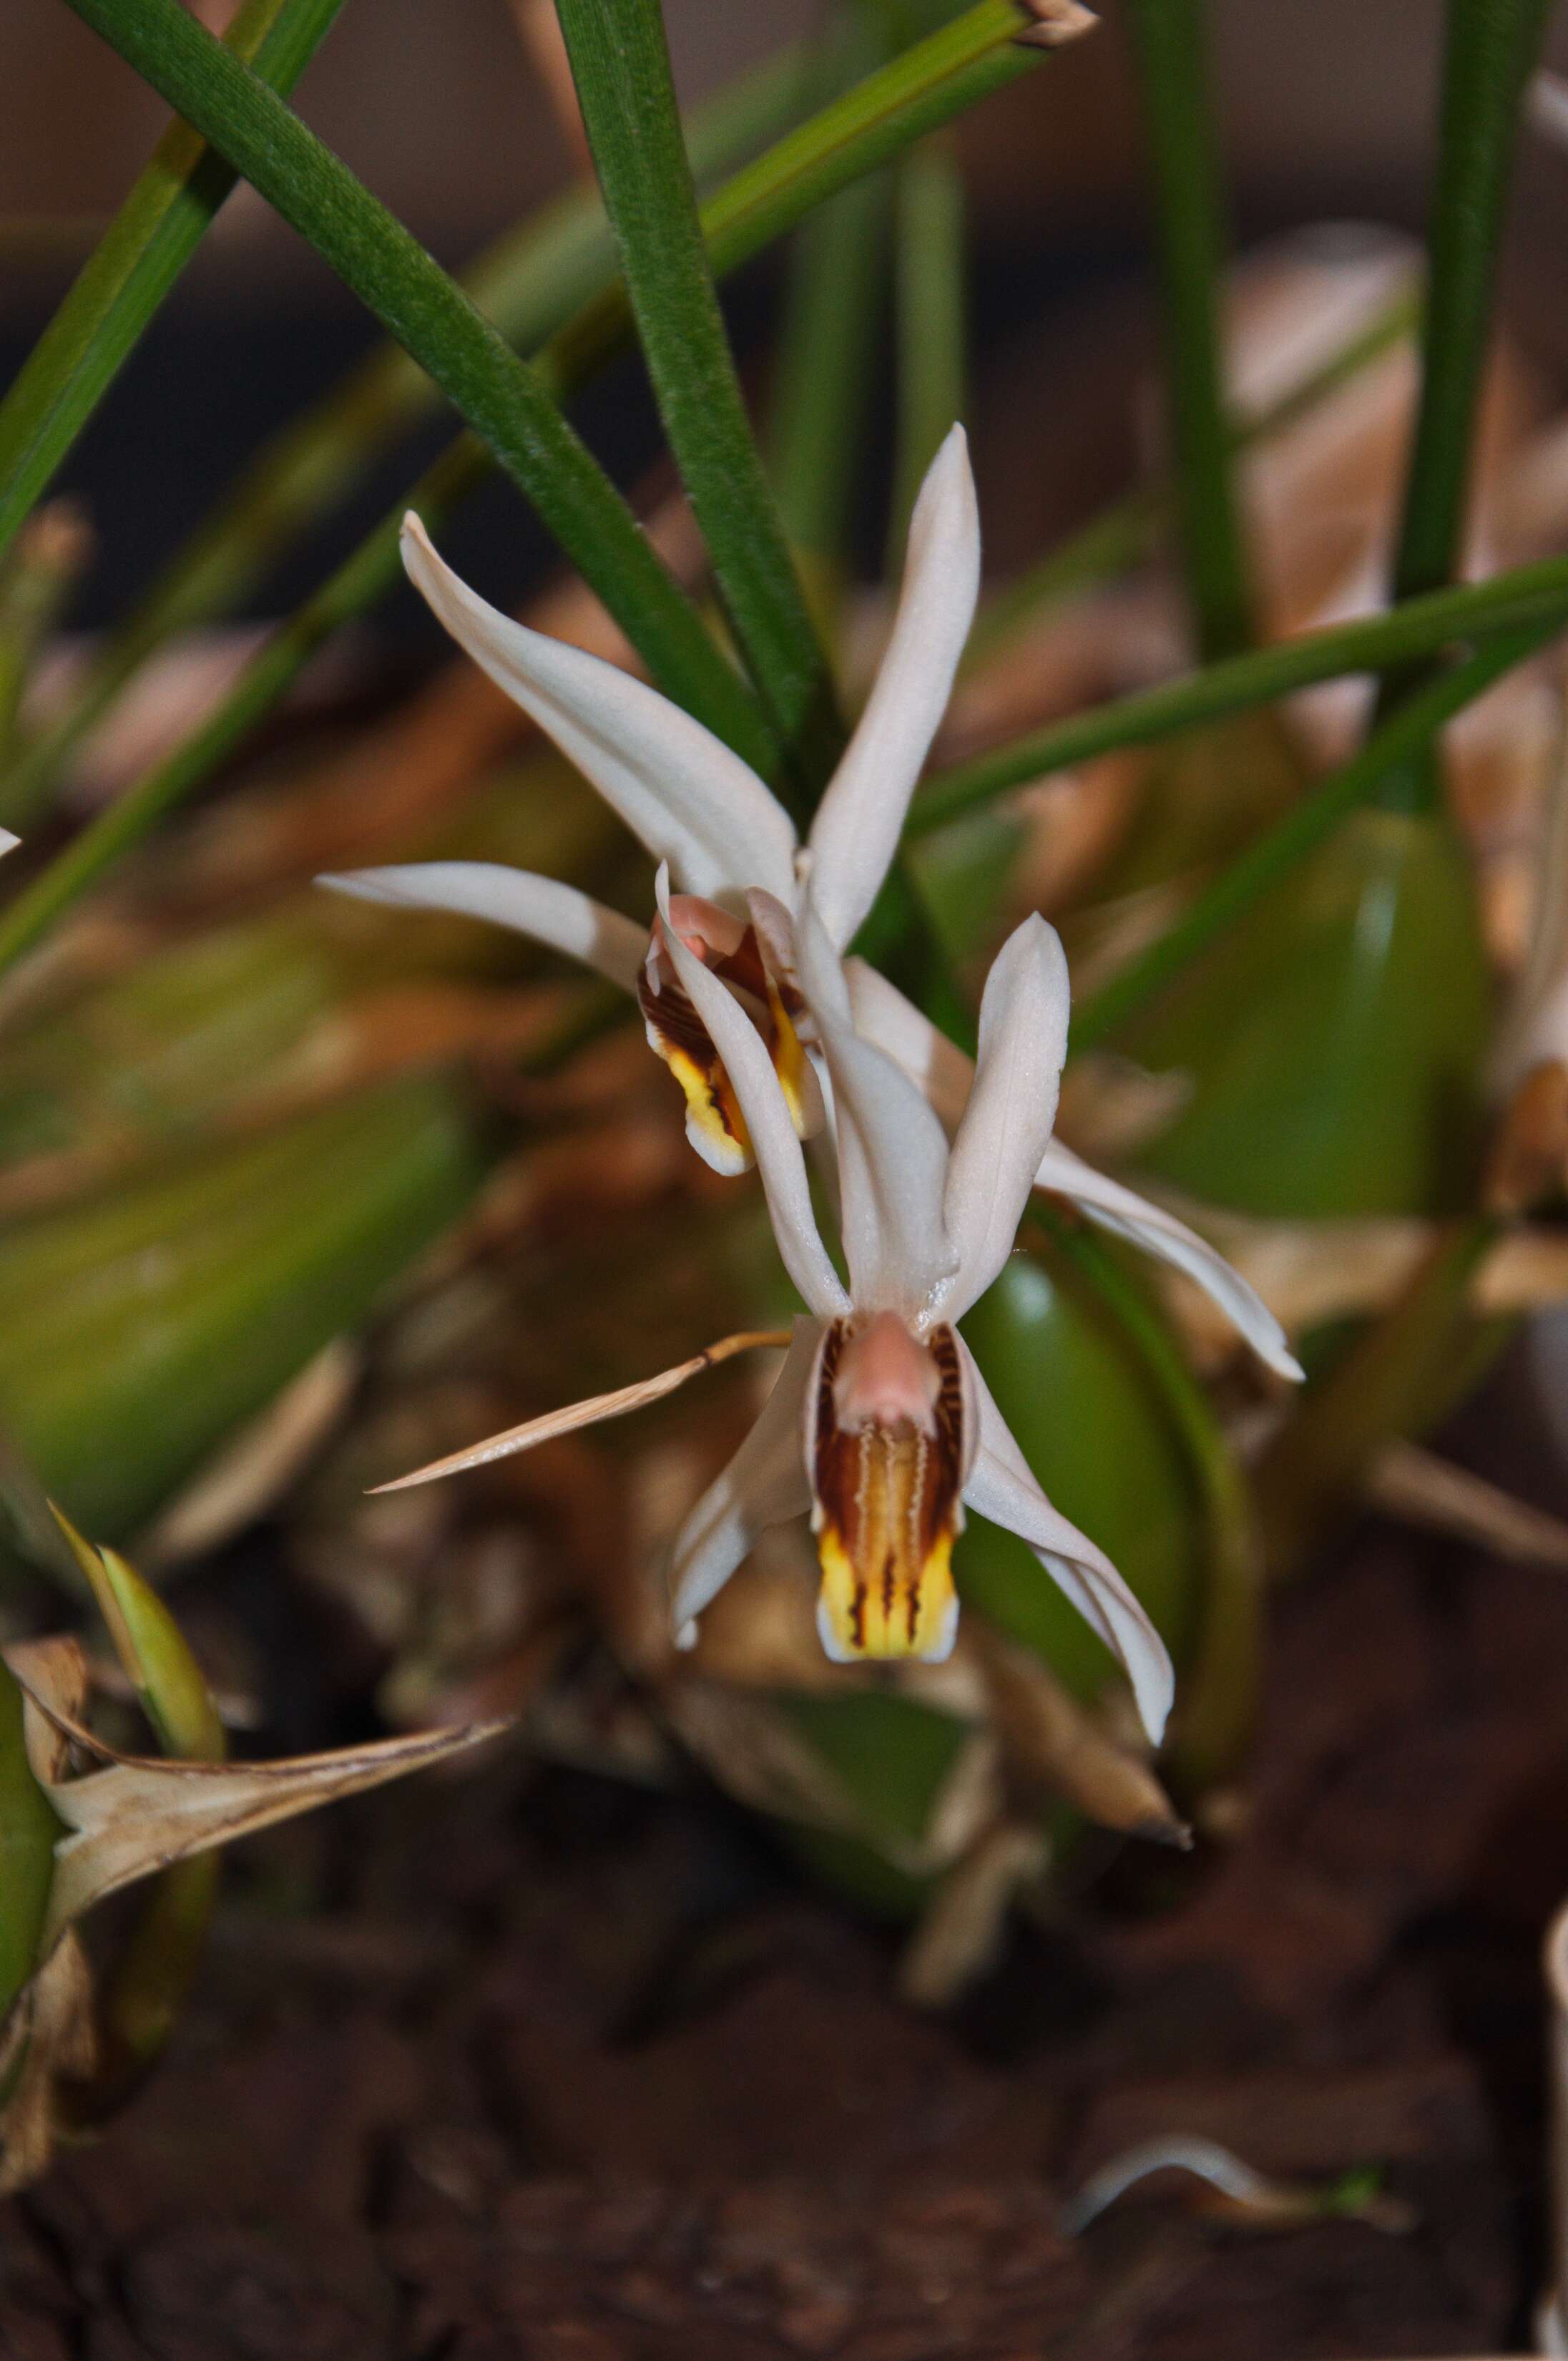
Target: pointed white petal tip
{"type": "Point", "coordinates": [8, 843]}
{"type": "Point", "coordinates": [855, 833]}
{"type": "Point", "coordinates": [685, 1636]}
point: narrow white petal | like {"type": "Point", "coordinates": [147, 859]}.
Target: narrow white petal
{"type": "Point", "coordinates": [893, 1152]}
{"type": "Point", "coordinates": [1006, 1125]}
{"type": "Point", "coordinates": [885, 1017]}
{"type": "Point", "coordinates": [860, 817]}
{"type": "Point", "coordinates": [692, 801]}
{"type": "Point", "coordinates": [1002, 1487]}
{"type": "Point", "coordinates": [1125, 1214]}
{"type": "Point", "coordinates": [780, 1161]}
{"type": "Point", "coordinates": [8, 843]}
{"type": "Point", "coordinates": [543, 907]}
{"type": "Point", "coordinates": [592, 1411]}
{"type": "Point", "coordinates": [764, 1483]}
{"type": "Point", "coordinates": [894, 1026]}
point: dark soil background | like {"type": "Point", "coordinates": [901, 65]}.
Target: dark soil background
{"type": "Point", "coordinates": [525, 2064]}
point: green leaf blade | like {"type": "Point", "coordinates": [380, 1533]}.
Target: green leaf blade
{"type": "Point", "coordinates": [620, 64]}
{"type": "Point", "coordinates": [135, 265]}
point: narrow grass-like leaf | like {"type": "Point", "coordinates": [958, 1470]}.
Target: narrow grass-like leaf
{"type": "Point", "coordinates": [528, 282]}
{"type": "Point", "coordinates": [154, 1653]}
{"type": "Point", "coordinates": [1171, 40]}
{"type": "Point", "coordinates": [1530, 596]}
{"type": "Point", "coordinates": [1491, 53]}
{"type": "Point", "coordinates": [38, 577]}
{"type": "Point", "coordinates": [136, 264]}
{"type": "Point", "coordinates": [832, 312]}
{"type": "Point", "coordinates": [822, 399]}
{"type": "Point", "coordinates": [1124, 530]}
{"type": "Point", "coordinates": [1275, 855]}
{"type": "Point", "coordinates": [857, 133]}
{"type": "Point", "coordinates": [1492, 46]}
{"type": "Point", "coordinates": [620, 64]}
{"type": "Point", "coordinates": [932, 319]}
{"type": "Point", "coordinates": [502, 398]}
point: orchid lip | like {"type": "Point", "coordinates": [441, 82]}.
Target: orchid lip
{"type": "Point", "coordinates": [886, 1449]}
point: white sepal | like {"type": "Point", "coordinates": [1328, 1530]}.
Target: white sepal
{"type": "Point", "coordinates": [861, 817]}
{"type": "Point", "coordinates": [1002, 1487]}
{"type": "Point", "coordinates": [893, 1152]}
{"type": "Point", "coordinates": [764, 1484]}
{"type": "Point", "coordinates": [1006, 1123]}
{"type": "Point", "coordinates": [542, 908]}
{"type": "Point", "coordinates": [780, 1164]}
{"type": "Point", "coordinates": [692, 801]}
{"type": "Point", "coordinates": [1127, 1216]}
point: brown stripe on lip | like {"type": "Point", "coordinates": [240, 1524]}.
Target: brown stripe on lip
{"type": "Point", "coordinates": [887, 1511]}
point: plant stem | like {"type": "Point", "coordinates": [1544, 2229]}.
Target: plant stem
{"type": "Point", "coordinates": [134, 266]}
{"type": "Point", "coordinates": [1169, 38]}
{"type": "Point", "coordinates": [1492, 46]}
{"type": "Point", "coordinates": [1531, 596]}
{"type": "Point", "coordinates": [1309, 824]}
{"type": "Point", "coordinates": [620, 64]}
{"type": "Point", "coordinates": [503, 401]}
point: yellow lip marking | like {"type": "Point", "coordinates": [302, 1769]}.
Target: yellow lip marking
{"type": "Point", "coordinates": [681, 1038]}
{"type": "Point", "coordinates": [886, 1513]}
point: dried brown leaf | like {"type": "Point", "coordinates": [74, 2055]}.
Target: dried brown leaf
{"type": "Point", "coordinates": [591, 1412]}
{"type": "Point", "coordinates": [961, 1930]}
{"type": "Point", "coordinates": [143, 1813]}
{"type": "Point", "coordinates": [1050, 1743]}
{"type": "Point", "coordinates": [55, 1672]}
{"type": "Point", "coordinates": [1528, 1162]}
{"type": "Point", "coordinates": [1422, 1489]}
{"type": "Point", "coordinates": [48, 2037]}
{"type": "Point", "coordinates": [248, 1474]}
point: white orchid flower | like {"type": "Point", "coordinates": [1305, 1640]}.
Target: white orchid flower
{"type": "Point", "coordinates": [730, 846]}
{"type": "Point", "coordinates": [880, 1423]}
{"type": "Point", "coordinates": [741, 873]}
